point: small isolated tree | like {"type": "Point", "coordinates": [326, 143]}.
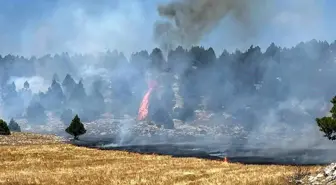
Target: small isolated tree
{"type": "Point", "coordinates": [14, 126]}
{"type": "Point", "coordinates": [76, 128]}
{"type": "Point", "coordinates": [328, 124]}
{"type": "Point", "coordinates": [4, 130]}
{"type": "Point", "coordinates": [26, 85]}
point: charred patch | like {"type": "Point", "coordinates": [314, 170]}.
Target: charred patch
{"type": "Point", "coordinates": [234, 154]}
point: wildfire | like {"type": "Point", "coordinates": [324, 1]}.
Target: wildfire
{"type": "Point", "coordinates": [143, 110]}
{"type": "Point", "coordinates": [226, 160]}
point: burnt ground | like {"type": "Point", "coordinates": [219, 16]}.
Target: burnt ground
{"type": "Point", "coordinates": [125, 130]}
{"type": "Point", "coordinates": [236, 154]}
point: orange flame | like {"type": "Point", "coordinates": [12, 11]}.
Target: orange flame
{"type": "Point", "coordinates": [143, 110]}
{"type": "Point", "coordinates": [226, 160]}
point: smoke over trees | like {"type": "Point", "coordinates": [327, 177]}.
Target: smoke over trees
{"type": "Point", "coordinates": [14, 126]}
{"type": "Point", "coordinates": [281, 86]}
{"type": "Point", "coordinates": [188, 21]}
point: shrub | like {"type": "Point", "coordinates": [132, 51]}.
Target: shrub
{"type": "Point", "coordinates": [4, 130]}
{"type": "Point", "coordinates": [76, 128]}
{"type": "Point", "coordinates": [14, 126]}
{"type": "Point", "coordinates": [327, 125]}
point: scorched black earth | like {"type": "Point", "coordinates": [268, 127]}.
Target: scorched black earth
{"type": "Point", "coordinates": [240, 154]}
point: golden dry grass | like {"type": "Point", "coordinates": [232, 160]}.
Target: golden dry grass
{"type": "Point", "coordinates": [20, 138]}
{"type": "Point", "coordinates": [57, 163]}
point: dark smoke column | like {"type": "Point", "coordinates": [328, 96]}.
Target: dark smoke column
{"type": "Point", "coordinates": [188, 21]}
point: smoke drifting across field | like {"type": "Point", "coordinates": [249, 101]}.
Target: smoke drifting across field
{"type": "Point", "coordinates": [74, 28]}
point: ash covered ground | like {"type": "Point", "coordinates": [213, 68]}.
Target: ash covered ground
{"type": "Point", "coordinates": [202, 138]}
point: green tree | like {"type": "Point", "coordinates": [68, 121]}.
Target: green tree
{"type": "Point", "coordinates": [4, 130]}
{"type": "Point", "coordinates": [77, 97]}
{"type": "Point", "coordinates": [76, 128]}
{"type": "Point", "coordinates": [78, 93]}
{"type": "Point", "coordinates": [14, 126]}
{"type": "Point", "coordinates": [68, 84]}
{"type": "Point", "coordinates": [157, 59]}
{"type": "Point", "coordinates": [328, 124]}
{"type": "Point", "coordinates": [26, 85]}
{"type": "Point", "coordinates": [54, 98]}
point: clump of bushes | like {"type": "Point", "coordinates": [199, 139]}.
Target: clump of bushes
{"type": "Point", "coordinates": [4, 130]}
{"type": "Point", "coordinates": [327, 124]}
{"type": "Point", "coordinates": [14, 126]}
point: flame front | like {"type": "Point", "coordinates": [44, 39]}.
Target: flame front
{"type": "Point", "coordinates": [143, 110]}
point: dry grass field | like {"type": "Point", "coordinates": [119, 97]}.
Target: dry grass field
{"type": "Point", "coordinates": [34, 160]}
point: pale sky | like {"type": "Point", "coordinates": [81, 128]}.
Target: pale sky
{"type": "Point", "coordinates": [38, 27]}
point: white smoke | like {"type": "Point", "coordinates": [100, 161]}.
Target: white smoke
{"type": "Point", "coordinates": [37, 83]}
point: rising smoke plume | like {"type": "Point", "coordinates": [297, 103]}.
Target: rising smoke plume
{"type": "Point", "coordinates": [74, 29]}
{"type": "Point", "coordinates": [190, 20]}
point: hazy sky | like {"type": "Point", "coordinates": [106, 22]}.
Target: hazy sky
{"type": "Point", "coordinates": [48, 26]}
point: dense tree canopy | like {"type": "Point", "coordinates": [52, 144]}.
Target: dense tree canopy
{"type": "Point", "coordinates": [194, 78]}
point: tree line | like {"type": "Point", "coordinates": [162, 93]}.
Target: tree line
{"type": "Point", "coordinates": [259, 79]}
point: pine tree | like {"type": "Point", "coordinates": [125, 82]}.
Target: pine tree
{"type": "Point", "coordinates": [14, 126]}
{"type": "Point", "coordinates": [4, 130]}
{"type": "Point", "coordinates": [26, 85]}
{"type": "Point", "coordinates": [157, 59]}
{"type": "Point", "coordinates": [12, 97]}
{"type": "Point", "coordinates": [328, 124]}
{"type": "Point", "coordinates": [68, 81]}
{"type": "Point", "coordinates": [55, 96]}
{"type": "Point", "coordinates": [76, 128]}
{"type": "Point", "coordinates": [78, 92]}
{"type": "Point", "coordinates": [77, 97]}
{"type": "Point", "coordinates": [95, 106]}
{"type": "Point", "coordinates": [68, 84]}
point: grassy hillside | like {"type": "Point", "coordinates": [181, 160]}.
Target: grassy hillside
{"type": "Point", "coordinates": [36, 159]}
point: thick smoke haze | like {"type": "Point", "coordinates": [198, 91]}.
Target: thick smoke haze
{"type": "Point", "coordinates": [74, 26]}
{"type": "Point", "coordinates": [82, 27]}
{"type": "Point", "coordinates": [276, 93]}
{"type": "Point", "coordinates": [191, 20]}
{"type": "Point", "coordinates": [37, 83]}
{"type": "Point", "coordinates": [238, 23]}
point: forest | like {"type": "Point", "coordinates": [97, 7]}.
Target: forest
{"type": "Point", "coordinates": [247, 84]}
